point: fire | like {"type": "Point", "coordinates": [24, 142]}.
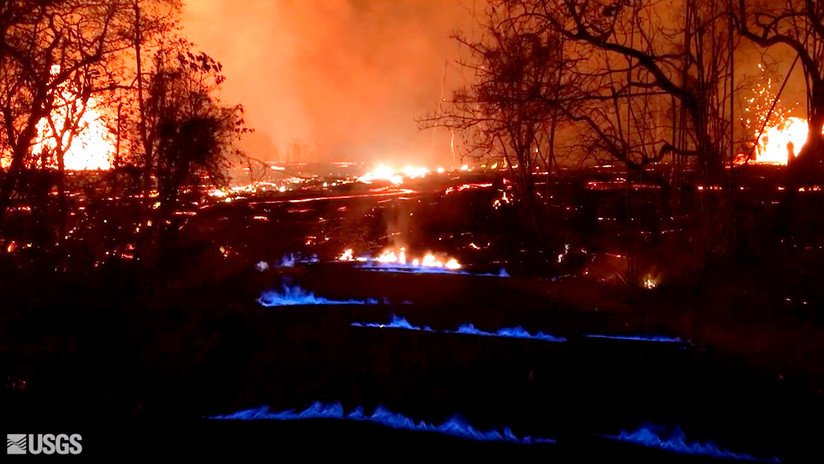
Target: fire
{"type": "Point", "coordinates": [385, 173]}
{"type": "Point", "coordinates": [429, 260]}
{"type": "Point", "coordinates": [778, 144]}
{"type": "Point", "coordinates": [400, 258]}
{"type": "Point", "coordinates": [347, 255]}
{"type": "Point", "coordinates": [90, 147]}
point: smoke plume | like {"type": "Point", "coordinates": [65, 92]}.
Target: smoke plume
{"type": "Point", "coordinates": [329, 80]}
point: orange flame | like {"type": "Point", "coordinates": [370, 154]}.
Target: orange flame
{"type": "Point", "coordinates": [385, 173]}
{"type": "Point", "coordinates": [92, 146]}
{"type": "Point", "coordinates": [400, 257]}
{"type": "Point", "coordinates": [778, 144]}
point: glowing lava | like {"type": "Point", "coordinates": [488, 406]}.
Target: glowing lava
{"type": "Point", "coordinates": [385, 173]}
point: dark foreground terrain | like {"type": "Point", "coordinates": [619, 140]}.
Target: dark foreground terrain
{"type": "Point", "coordinates": [140, 360]}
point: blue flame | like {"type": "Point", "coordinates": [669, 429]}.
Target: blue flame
{"type": "Point", "coordinates": [396, 322]}
{"type": "Point", "coordinates": [288, 260]}
{"type": "Point", "coordinates": [410, 268]}
{"type": "Point", "coordinates": [455, 426]}
{"type": "Point", "coordinates": [291, 259]}
{"type": "Point", "coordinates": [674, 440]}
{"type": "Point", "coordinates": [639, 338]}
{"type": "Point", "coordinates": [293, 295]}
{"type": "Point", "coordinates": [509, 332]}
{"type": "Point", "coordinates": [465, 329]}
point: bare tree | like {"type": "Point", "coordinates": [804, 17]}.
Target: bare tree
{"type": "Point", "coordinates": [44, 46]}
{"type": "Point", "coordinates": [509, 114]}
{"type": "Point", "coordinates": [799, 25]}
{"type": "Point", "coordinates": [684, 57]}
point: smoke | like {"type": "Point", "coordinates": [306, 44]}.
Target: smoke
{"type": "Point", "coordinates": [325, 80]}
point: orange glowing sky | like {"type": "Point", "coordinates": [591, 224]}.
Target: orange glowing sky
{"type": "Point", "coordinates": [345, 78]}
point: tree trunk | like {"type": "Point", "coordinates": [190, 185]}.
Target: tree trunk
{"type": "Point", "coordinates": [62, 201]}
{"type": "Point", "coordinates": [815, 140]}
{"type": "Point", "coordinates": [710, 163]}
{"type": "Point", "coordinates": [806, 166]}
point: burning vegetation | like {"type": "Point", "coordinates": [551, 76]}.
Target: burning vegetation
{"type": "Point", "coordinates": [621, 196]}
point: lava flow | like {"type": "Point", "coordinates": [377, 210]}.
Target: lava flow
{"type": "Point", "coordinates": [385, 173]}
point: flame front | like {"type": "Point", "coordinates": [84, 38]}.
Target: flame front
{"type": "Point", "coordinates": [385, 173]}
{"type": "Point", "coordinates": [399, 257]}
{"type": "Point", "coordinates": [781, 143]}
{"type": "Point", "coordinates": [90, 146]}
{"type": "Point", "coordinates": [429, 260]}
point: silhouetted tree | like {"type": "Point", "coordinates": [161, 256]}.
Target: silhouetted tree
{"type": "Point", "coordinates": [43, 45]}
{"type": "Point", "coordinates": [798, 25]}
{"type": "Point", "coordinates": [687, 59]}
{"type": "Point", "coordinates": [193, 134]}
{"type": "Point", "coordinates": [509, 114]}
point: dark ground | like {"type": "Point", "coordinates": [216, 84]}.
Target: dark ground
{"type": "Point", "coordinates": [132, 356]}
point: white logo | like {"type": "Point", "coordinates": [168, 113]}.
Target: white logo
{"type": "Point", "coordinates": [45, 443]}
{"type": "Point", "coordinates": [15, 443]}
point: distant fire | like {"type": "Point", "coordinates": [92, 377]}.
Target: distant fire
{"type": "Point", "coordinates": [778, 144]}
{"type": "Point", "coordinates": [90, 146]}
{"type": "Point", "coordinates": [650, 282]}
{"type": "Point", "coordinates": [385, 173]}
{"type": "Point", "coordinates": [778, 136]}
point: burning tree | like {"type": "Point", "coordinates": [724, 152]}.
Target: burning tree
{"type": "Point", "coordinates": [45, 46]}
{"type": "Point", "coordinates": [77, 94]}
{"type": "Point", "coordinates": [799, 25]}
